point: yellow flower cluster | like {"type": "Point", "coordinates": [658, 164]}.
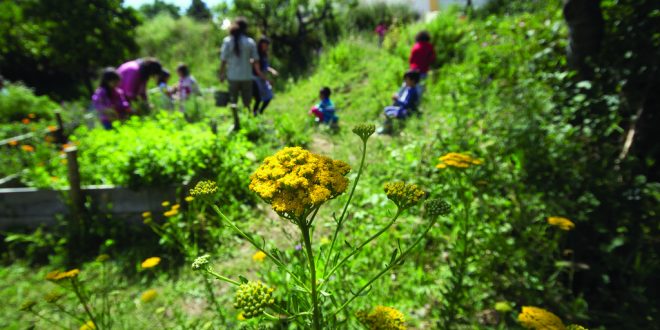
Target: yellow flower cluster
{"type": "Point", "coordinates": [562, 223]}
{"type": "Point", "coordinates": [364, 131]}
{"type": "Point", "coordinates": [58, 275]}
{"type": "Point", "coordinates": [457, 160]}
{"type": "Point", "coordinates": [539, 319]}
{"type": "Point", "coordinates": [89, 325]}
{"type": "Point", "coordinates": [259, 256]}
{"type": "Point", "coordinates": [404, 195]}
{"type": "Point", "coordinates": [148, 295]}
{"type": "Point", "coordinates": [383, 318]}
{"type": "Point", "coordinates": [295, 181]}
{"type": "Point", "coordinates": [150, 262]}
{"type": "Point", "coordinates": [253, 298]}
{"type": "Point", "coordinates": [174, 210]}
{"type": "Point", "coordinates": [204, 188]}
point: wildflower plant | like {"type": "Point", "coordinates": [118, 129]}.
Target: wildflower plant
{"type": "Point", "coordinates": [297, 183]}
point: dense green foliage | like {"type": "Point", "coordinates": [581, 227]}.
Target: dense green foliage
{"type": "Point", "coordinates": [501, 92]}
{"type": "Point", "coordinates": [57, 47]}
{"type": "Point", "coordinates": [19, 102]}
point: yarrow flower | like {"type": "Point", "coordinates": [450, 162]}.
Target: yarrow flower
{"type": "Point", "coordinates": [150, 262]}
{"type": "Point", "coordinates": [562, 223]}
{"type": "Point", "coordinates": [364, 131]}
{"type": "Point", "coordinates": [201, 262]}
{"type": "Point", "coordinates": [204, 189]}
{"type": "Point", "coordinates": [295, 181]}
{"type": "Point", "coordinates": [89, 325]}
{"type": "Point", "coordinates": [165, 203]}
{"type": "Point", "coordinates": [259, 256]}
{"type": "Point", "coordinates": [171, 213]}
{"type": "Point", "coordinates": [457, 160]}
{"type": "Point", "coordinates": [146, 214]}
{"type": "Point", "coordinates": [436, 207]}
{"type": "Point", "coordinates": [253, 298]}
{"type": "Point", "coordinates": [189, 199]}
{"type": "Point", "coordinates": [148, 295]}
{"type": "Point", "coordinates": [383, 318]}
{"type": "Point", "coordinates": [539, 319]}
{"type": "Point", "coordinates": [59, 275]}
{"type": "Point", "coordinates": [404, 195]}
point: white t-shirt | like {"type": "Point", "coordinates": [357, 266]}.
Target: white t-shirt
{"type": "Point", "coordinates": [239, 67]}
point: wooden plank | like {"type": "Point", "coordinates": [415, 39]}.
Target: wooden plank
{"type": "Point", "coordinates": [30, 207]}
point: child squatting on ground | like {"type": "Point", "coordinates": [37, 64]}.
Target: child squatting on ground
{"type": "Point", "coordinates": [324, 111]}
{"type": "Point", "coordinates": [187, 85]}
{"type": "Point", "coordinates": [109, 101]}
{"type": "Point", "coordinates": [405, 102]}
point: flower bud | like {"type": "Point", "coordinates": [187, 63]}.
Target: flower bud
{"type": "Point", "coordinates": [253, 298]}
{"type": "Point", "coordinates": [364, 131]}
{"type": "Point", "coordinates": [436, 207]}
{"type": "Point", "coordinates": [201, 262]}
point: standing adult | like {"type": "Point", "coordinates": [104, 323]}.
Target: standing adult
{"type": "Point", "coordinates": [239, 57]}
{"type": "Point", "coordinates": [135, 75]}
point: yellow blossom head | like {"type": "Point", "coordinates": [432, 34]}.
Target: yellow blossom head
{"type": "Point", "coordinates": [252, 298]}
{"type": "Point", "coordinates": [165, 203]}
{"type": "Point", "coordinates": [150, 262]}
{"type": "Point", "coordinates": [146, 214]}
{"type": "Point", "coordinates": [457, 160]}
{"type": "Point", "coordinates": [259, 256]}
{"type": "Point", "coordinates": [89, 325]}
{"type": "Point", "coordinates": [189, 199]}
{"type": "Point", "coordinates": [171, 213]}
{"type": "Point", "coordinates": [539, 319]}
{"type": "Point", "coordinates": [204, 190]}
{"type": "Point", "coordinates": [148, 295]}
{"type": "Point", "coordinates": [383, 318]}
{"type": "Point", "coordinates": [404, 195]}
{"type": "Point", "coordinates": [503, 306]}
{"type": "Point", "coordinates": [562, 223]}
{"type": "Point", "coordinates": [59, 275]}
{"type": "Point", "coordinates": [295, 181]}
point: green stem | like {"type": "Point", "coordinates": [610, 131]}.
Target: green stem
{"type": "Point", "coordinates": [268, 254]}
{"type": "Point", "coordinates": [61, 308]}
{"type": "Point", "coordinates": [48, 320]}
{"type": "Point", "coordinates": [76, 289]}
{"type": "Point", "coordinates": [211, 297]}
{"type": "Point", "coordinates": [222, 278]}
{"type": "Point", "coordinates": [359, 248]}
{"type": "Point", "coordinates": [316, 313]}
{"type": "Point", "coordinates": [343, 213]}
{"type": "Point", "coordinates": [402, 256]}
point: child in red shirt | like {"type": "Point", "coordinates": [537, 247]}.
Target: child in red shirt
{"type": "Point", "coordinates": [422, 54]}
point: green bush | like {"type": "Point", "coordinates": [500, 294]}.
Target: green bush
{"type": "Point", "coordinates": [20, 103]}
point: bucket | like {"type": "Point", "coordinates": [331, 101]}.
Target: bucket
{"type": "Point", "coordinates": [221, 98]}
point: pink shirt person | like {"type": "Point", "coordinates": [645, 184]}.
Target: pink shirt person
{"type": "Point", "coordinates": [135, 75]}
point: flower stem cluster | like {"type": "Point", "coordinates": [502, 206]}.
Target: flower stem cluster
{"type": "Point", "coordinates": [404, 195]}
{"type": "Point", "coordinates": [253, 298]}
{"type": "Point", "coordinates": [204, 190]}
{"type": "Point", "coordinates": [201, 262]}
{"type": "Point", "coordinates": [364, 131]}
{"type": "Point", "coordinates": [59, 275]}
{"type": "Point", "coordinates": [382, 318]}
{"type": "Point", "coordinates": [437, 207]}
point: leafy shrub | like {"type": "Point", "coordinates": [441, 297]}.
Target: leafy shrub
{"type": "Point", "coordinates": [20, 103]}
{"type": "Point", "coordinates": [365, 17]}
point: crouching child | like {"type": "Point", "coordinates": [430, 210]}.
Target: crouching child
{"type": "Point", "coordinates": [404, 102]}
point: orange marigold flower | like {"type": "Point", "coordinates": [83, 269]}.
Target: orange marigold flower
{"type": "Point", "coordinates": [13, 143]}
{"type": "Point", "coordinates": [25, 121]}
{"type": "Point", "coordinates": [27, 148]}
